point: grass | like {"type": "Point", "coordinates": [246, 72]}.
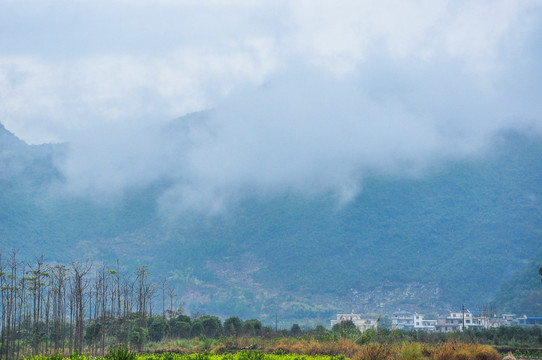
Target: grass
{"type": "Point", "coordinates": [373, 351]}
{"type": "Point", "coordinates": [244, 348]}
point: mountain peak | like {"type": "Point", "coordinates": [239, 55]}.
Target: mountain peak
{"type": "Point", "coordinates": [8, 140]}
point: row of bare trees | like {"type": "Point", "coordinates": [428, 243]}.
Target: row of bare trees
{"type": "Point", "coordinates": [78, 307]}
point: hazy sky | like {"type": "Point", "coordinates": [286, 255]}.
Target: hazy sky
{"type": "Point", "coordinates": [303, 95]}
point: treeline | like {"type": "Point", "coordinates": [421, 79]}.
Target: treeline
{"type": "Point", "coordinates": [82, 306]}
{"type": "Point", "coordinates": [186, 327]}
{"type": "Point", "coordinates": [514, 337]}
{"type": "Point", "coordinates": [88, 307]}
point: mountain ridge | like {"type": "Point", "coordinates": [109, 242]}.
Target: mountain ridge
{"type": "Point", "coordinates": [427, 243]}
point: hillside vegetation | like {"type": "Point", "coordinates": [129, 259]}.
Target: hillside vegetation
{"type": "Point", "coordinates": [427, 243]}
{"type": "Point", "coordinates": [522, 293]}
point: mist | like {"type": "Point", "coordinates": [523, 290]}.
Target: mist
{"type": "Point", "coordinates": [225, 101]}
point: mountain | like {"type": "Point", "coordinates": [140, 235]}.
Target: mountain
{"type": "Point", "coordinates": [430, 243]}
{"type": "Point", "coordinates": [522, 293]}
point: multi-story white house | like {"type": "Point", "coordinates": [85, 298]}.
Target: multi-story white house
{"type": "Point", "coordinates": [459, 320]}
{"type": "Point", "coordinates": [360, 322]}
{"type": "Point", "coordinates": [422, 324]}
{"type": "Point", "coordinates": [403, 319]}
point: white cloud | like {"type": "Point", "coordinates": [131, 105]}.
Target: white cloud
{"type": "Point", "coordinates": [77, 94]}
{"type": "Point", "coordinates": [306, 95]}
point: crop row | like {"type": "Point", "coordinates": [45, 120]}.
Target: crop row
{"type": "Point", "coordinates": [405, 351]}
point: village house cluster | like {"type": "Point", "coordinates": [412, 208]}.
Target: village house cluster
{"type": "Point", "coordinates": [454, 321]}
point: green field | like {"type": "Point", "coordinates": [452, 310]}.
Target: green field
{"type": "Point", "coordinates": [341, 350]}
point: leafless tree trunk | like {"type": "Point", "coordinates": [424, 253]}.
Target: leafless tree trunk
{"type": "Point", "coordinates": [79, 287]}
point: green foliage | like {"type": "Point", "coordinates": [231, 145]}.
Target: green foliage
{"type": "Point", "coordinates": [158, 328]}
{"type": "Point", "coordinates": [179, 329]}
{"type": "Point", "coordinates": [367, 336]}
{"type": "Point", "coordinates": [250, 355]}
{"type": "Point", "coordinates": [347, 330]}
{"type": "Point", "coordinates": [295, 330]}
{"type": "Point", "coordinates": [56, 356]}
{"type": "Point", "coordinates": [233, 326]}
{"type": "Point", "coordinates": [121, 353]}
{"type": "Point", "coordinates": [76, 356]}
{"type": "Point", "coordinates": [252, 327]}
{"type": "Point", "coordinates": [138, 337]}
{"type": "Point", "coordinates": [521, 294]}
{"type": "Point", "coordinates": [212, 325]}
{"type": "Point", "coordinates": [92, 332]}
{"type": "Point", "coordinates": [320, 330]}
{"type": "Point", "coordinates": [411, 351]}
{"type": "Point", "coordinates": [196, 329]}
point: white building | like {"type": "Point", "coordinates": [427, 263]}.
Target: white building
{"type": "Point", "coordinates": [402, 319]}
{"type": "Point", "coordinates": [406, 320]}
{"type": "Point", "coordinates": [422, 324]}
{"type": "Point", "coordinates": [459, 320]}
{"type": "Point", "coordinates": [360, 322]}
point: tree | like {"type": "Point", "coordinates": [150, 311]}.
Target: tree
{"type": "Point", "coordinates": [51, 308]}
{"type": "Point", "coordinates": [233, 326]}
{"type": "Point", "coordinates": [144, 292]}
{"type": "Point", "coordinates": [196, 329]}
{"type": "Point", "coordinates": [346, 329]}
{"type": "Point", "coordinates": [179, 328]}
{"type": "Point", "coordinates": [212, 326]}
{"type": "Point", "coordinates": [158, 328]}
{"type": "Point", "coordinates": [295, 330]}
{"type": "Point", "coordinates": [78, 290]}
{"type": "Point", "coordinates": [252, 327]}
{"type": "Point", "coordinates": [320, 330]}
{"type": "Point", "coordinates": [385, 322]}
{"type": "Point", "coordinates": [138, 337]}
{"type": "Point", "coordinates": [344, 325]}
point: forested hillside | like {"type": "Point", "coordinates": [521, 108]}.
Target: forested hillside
{"type": "Point", "coordinates": [522, 293]}
{"type": "Point", "coordinates": [448, 237]}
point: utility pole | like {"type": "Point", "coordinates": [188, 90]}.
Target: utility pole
{"type": "Point", "coordinates": [276, 323]}
{"type": "Point", "coordinates": [463, 309]}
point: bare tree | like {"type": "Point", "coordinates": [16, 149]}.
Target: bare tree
{"type": "Point", "coordinates": [80, 284]}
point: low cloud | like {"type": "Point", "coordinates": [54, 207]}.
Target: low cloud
{"type": "Point", "coordinates": [307, 98]}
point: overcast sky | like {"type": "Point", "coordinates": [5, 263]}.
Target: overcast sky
{"type": "Point", "coordinates": [302, 95]}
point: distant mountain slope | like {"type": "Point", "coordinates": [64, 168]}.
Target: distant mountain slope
{"type": "Point", "coordinates": [429, 243]}
{"type": "Point", "coordinates": [522, 293]}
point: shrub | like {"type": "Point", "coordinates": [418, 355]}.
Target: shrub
{"type": "Point", "coordinates": [250, 355]}
{"type": "Point", "coordinates": [411, 351]}
{"type": "Point", "coordinates": [121, 353]}
{"type": "Point", "coordinates": [445, 351]}
{"type": "Point", "coordinates": [487, 353]}
{"type": "Point", "coordinates": [375, 352]}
